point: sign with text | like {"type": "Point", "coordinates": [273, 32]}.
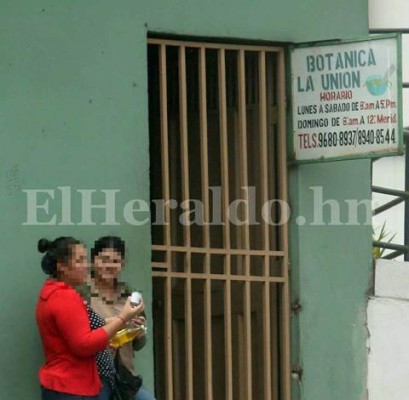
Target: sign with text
{"type": "Point", "coordinates": [347, 100]}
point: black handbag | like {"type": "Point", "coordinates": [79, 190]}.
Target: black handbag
{"type": "Point", "coordinates": [126, 383]}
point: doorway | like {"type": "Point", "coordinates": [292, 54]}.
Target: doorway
{"type": "Point", "coordinates": [219, 231]}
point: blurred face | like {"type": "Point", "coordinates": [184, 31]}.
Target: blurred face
{"type": "Point", "coordinates": [108, 265]}
{"type": "Point", "coordinates": [75, 271]}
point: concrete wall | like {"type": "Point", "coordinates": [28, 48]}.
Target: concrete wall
{"type": "Point", "coordinates": [73, 103]}
{"type": "Point", "coordinates": [331, 269]}
{"type": "Point", "coordinates": [388, 326]}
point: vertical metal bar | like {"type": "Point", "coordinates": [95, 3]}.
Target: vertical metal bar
{"type": "Point", "coordinates": [271, 144]}
{"type": "Point", "coordinates": [184, 141]}
{"type": "Point", "coordinates": [186, 227]}
{"type": "Point", "coordinates": [189, 330]}
{"type": "Point", "coordinates": [265, 227]}
{"type": "Point", "coordinates": [224, 164]}
{"type": "Point", "coordinates": [263, 145]}
{"type": "Point", "coordinates": [206, 230]}
{"type": "Point", "coordinates": [228, 331]}
{"type": "Point", "coordinates": [245, 233]}
{"type": "Point", "coordinates": [164, 145]}
{"type": "Point", "coordinates": [285, 295]}
{"type": "Point", "coordinates": [166, 195]}
{"type": "Point", "coordinates": [226, 227]}
{"type": "Point", "coordinates": [243, 167]}
{"type": "Point", "coordinates": [203, 145]}
{"type": "Point", "coordinates": [272, 179]}
{"type": "Point", "coordinates": [168, 339]}
{"type": "Point", "coordinates": [208, 340]}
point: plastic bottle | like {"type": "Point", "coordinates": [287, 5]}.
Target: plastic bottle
{"type": "Point", "coordinates": [127, 335]}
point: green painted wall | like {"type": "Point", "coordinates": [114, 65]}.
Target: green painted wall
{"type": "Point", "coordinates": [331, 270]}
{"type": "Point", "coordinates": [73, 112]}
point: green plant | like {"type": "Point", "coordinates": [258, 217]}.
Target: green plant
{"type": "Point", "coordinates": [377, 252]}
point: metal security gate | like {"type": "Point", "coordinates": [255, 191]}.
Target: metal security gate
{"type": "Point", "coordinates": [220, 252]}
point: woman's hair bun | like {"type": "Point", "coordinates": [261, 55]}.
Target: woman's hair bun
{"type": "Point", "coordinates": [43, 245]}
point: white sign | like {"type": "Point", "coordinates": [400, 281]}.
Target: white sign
{"type": "Point", "coordinates": [346, 100]}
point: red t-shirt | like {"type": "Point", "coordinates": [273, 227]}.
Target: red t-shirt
{"type": "Point", "coordinates": [69, 343]}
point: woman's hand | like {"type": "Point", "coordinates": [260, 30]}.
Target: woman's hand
{"type": "Point", "coordinates": [137, 321]}
{"type": "Point", "coordinates": [129, 311]}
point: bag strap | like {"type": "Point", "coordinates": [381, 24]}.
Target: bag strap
{"type": "Point", "coordinates": [117, 360]}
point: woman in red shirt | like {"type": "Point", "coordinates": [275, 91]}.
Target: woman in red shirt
{"type": "Point", "coordinates": [70, 371]}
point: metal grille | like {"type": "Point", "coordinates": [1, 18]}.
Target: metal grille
{"type": "Point", "coordinates": [221, 290]}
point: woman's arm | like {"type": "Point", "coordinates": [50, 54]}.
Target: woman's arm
{"type": "Point", "coordinates": [71, 319]}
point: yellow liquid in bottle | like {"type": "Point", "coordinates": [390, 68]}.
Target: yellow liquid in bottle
{"type": "Point", "coordinates": [125, 336]}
